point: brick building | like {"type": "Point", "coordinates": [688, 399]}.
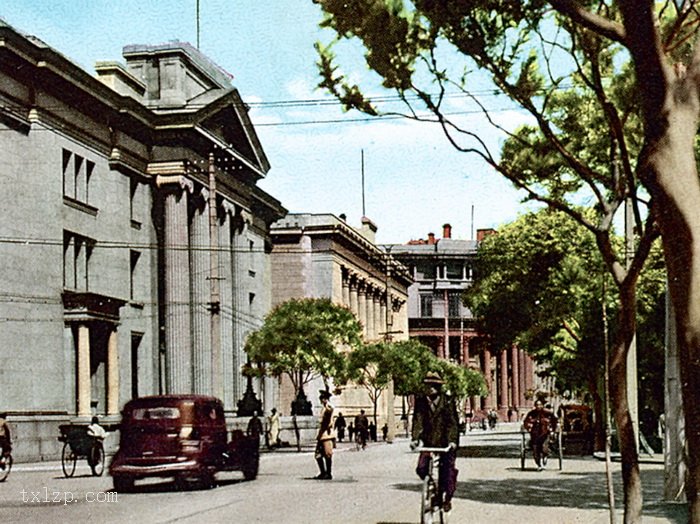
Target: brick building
{"type": "Point", "coordinates": [442, 268]}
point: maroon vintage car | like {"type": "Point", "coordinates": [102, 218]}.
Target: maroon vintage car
{"type": "Point", "coordinates": [179, 436]}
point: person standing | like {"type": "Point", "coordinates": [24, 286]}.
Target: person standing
{"type": "Point", "coordinates": [325, 437]}
{"type": "Point", "coordinates": [255, 428]}
{"type": "Point", "coordinates": [362, 428]}
{"type": "Point", "coordinates": [273, 429]}
{"type": "Point", "coordinates": [351, 431]}
{"type": "Point", "coordinates": [436, 425]}
{"type": "Point", "coordinates": [340, 427]}
{"type": "Point", "coordinates": [540, 423]}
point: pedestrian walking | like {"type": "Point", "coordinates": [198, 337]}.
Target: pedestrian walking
{"type": "Point", "coordinates": [373, 432]}
{"type": "Point", "coordinates": [340, 427]}
{"type": "Point", "coordinates": [325, 437]}
{"type": "Point", "coordinates": [540, 423]}
{"type": "Point", "coordinates": [255, 428]}
{"type": "Point", "coordinates": [351, 431]}
{"type": "Point", "coordinates": [385, 431]}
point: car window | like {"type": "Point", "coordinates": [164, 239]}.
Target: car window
{"type": "Point", "coordinates": [157, 413]}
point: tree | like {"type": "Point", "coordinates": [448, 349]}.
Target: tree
{"type": "Point", "coordinates": [594, 51]}
{"type": "Point", "coordinates": [302, 339]}
{"type": "Point", "coordinates": [406, 363]}
{"type": "Point", "coordinates": [539, 286]}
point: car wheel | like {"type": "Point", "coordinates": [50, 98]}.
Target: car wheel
{"type": "Point", "coordinates": [123, 484]}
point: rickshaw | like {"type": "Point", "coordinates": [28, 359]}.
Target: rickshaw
{"type": "Point", "coordinates": [555, 446]}
{"type": "Point", "coordinates": [77, 444]}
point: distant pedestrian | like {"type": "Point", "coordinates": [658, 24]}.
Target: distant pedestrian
{"type": "Point", "coordinates": [362, 428]}
{"type": "Point", "coordinates": [351, 431]}
{"type": "Point", "coordinates": [340, 427]}
{"type": "Point", "coordinates": [273, 429]}
{"type": "Point", "coordinates": [373, 431]}
{"type": "Point", "coordinates": [493, 418]}
{"type": "Point", "coordinates": [385, 431]}
{"type": "Point", "coordinates": [255, 428]}
{"type": "Point", "coordinates": [325, 437]}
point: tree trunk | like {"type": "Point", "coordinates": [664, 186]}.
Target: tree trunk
{"type": "Point", "coordinates": [618, 394]}
{"type": "Point", "coordinates": [675, 189]}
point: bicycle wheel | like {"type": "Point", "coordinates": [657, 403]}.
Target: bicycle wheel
{"type": "Point", "coordinates": [427, 509]}
{"type": "Point", "coordinates": [97, 460]}
{"type": "Point", "coordinates": [5, 468]}
{"type": "Point", "coordinates": [68, 459]}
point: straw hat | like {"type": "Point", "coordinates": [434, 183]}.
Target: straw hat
{"type": "Point", "coordinates": [433, 378]}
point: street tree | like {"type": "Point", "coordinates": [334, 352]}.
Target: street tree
{"type": "Point", "coordinates": [595, 51]}
{"type": "Point", "coordinates": [374, 366]}
{"type": "Point", "coordinates": [304, 339]}
{"type": "Point", "coordinates": [540, 287]}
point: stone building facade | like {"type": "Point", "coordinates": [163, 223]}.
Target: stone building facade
{"type": "Point", "coordinates": [442, 268]}
{"type": "Point", "coordinates": [322, 256]}
{"type": "Point", "coordinates": [135, 241]}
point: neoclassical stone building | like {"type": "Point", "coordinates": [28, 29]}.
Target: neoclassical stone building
{"type": "Point", "coordinates": [134, 242]}
{"type": "Point", "coordinates": [322, 256]}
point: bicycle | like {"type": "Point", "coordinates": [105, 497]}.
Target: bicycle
{"type": "Point", "coordinates": [5, 465]}
{"type": "Point", "coordinates": [431, 508]}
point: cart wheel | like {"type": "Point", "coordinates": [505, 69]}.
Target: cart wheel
{"type": "Point", "coordinates": [522, 453]}
{"type": "Point", "coordinates": [97, 460]}
{"type": "Point", "coordinates": [68, 459]}
{"type": "Point", "coordinates": [5, 467]}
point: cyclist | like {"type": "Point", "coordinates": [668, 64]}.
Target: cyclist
{"type": "Point", "coordinates": [5, 439]}
{"type": "Point", "coordinates": [436, 424]}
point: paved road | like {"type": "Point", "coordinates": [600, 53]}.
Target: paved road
{"type": "Point", "coordinates": [372, 486]}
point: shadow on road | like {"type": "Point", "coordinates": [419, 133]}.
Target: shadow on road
{"type": "Point", "coordinates": [566, 490]}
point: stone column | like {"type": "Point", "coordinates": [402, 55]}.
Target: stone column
{"type": "Point", "coordinates": [378, 319]}
{"type": "Point", "coordinates": [112, 373]}
{"type": "Point", "coordinates": [515, 378]}
{"type": "Point", "coordinates": [354, 298]}
{"type": "Point", "coordinates": [486, 366]}
{"type": "Point", "coordinates": [227, 311]}
{"type": "Point", "coordinates": [369, 305]}
{"type": "Point", "coordinates": [362, 307]}
{"type": "Point", "coordinates": [383, 327]}
{"type": "Point", "coordinates": [178, 344]}
{"type": "Point", "coordinates": [523, 376]}
{"type": "Point", "coordinates": [346, 289]}
{"type": "Point", "coordinates": [201, 323]}
{"type": "Point", "coordinates": [503, 400]}
{"type": "Point", "coordinates": [83, 370]}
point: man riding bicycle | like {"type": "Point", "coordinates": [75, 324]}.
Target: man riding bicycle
{"type": "Point", "coordinates": [436, 424]}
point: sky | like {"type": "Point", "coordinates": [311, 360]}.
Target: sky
{"type": "Point", "coordinates": [414, 180]}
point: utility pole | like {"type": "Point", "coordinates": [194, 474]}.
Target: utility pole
{"type": "Point", "coordinates": [197, 24]}
{"type": "Point", "coordinates": [214, 286]}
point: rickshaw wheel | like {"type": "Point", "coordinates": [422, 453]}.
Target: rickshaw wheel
{"type": "Point", "coordinates": [68, 460]}
{"type": "Point", "coordinates": [97, 460]}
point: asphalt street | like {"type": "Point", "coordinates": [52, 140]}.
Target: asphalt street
{"type": "Point", "coordinates": [376, 485]}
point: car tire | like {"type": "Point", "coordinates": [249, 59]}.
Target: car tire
{"type": "Point", "coordinates": [123, 484]}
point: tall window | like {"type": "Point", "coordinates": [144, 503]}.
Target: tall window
{"type": "Point", "coordinates": [77, 250]}
{"type": "Point", "coordinates": [454, 304]}
{"type": "Point", "coordinates": [135, 207]}
{"type": "Point", "coordinates": [133, 280]}
{"type": "Point", "coordinates": [135, 343]}
{"type": "Point", "coordinates": [426, 305]}
{"type": "Point", "coordinates": [77, 172]}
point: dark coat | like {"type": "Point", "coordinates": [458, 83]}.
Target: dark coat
{"type": "Point", "coordinates": [540, 423]}
{"type": "Point", "coordinates": [438, 427]}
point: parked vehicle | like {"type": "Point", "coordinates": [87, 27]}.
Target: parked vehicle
{"type": "Point", "coordinates": [179, 436]}
{"type": "Point", "coordinates": [576, 422]}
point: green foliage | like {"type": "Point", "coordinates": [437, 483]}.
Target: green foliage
{"type": "Point", "coordinates": [303, 338]}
